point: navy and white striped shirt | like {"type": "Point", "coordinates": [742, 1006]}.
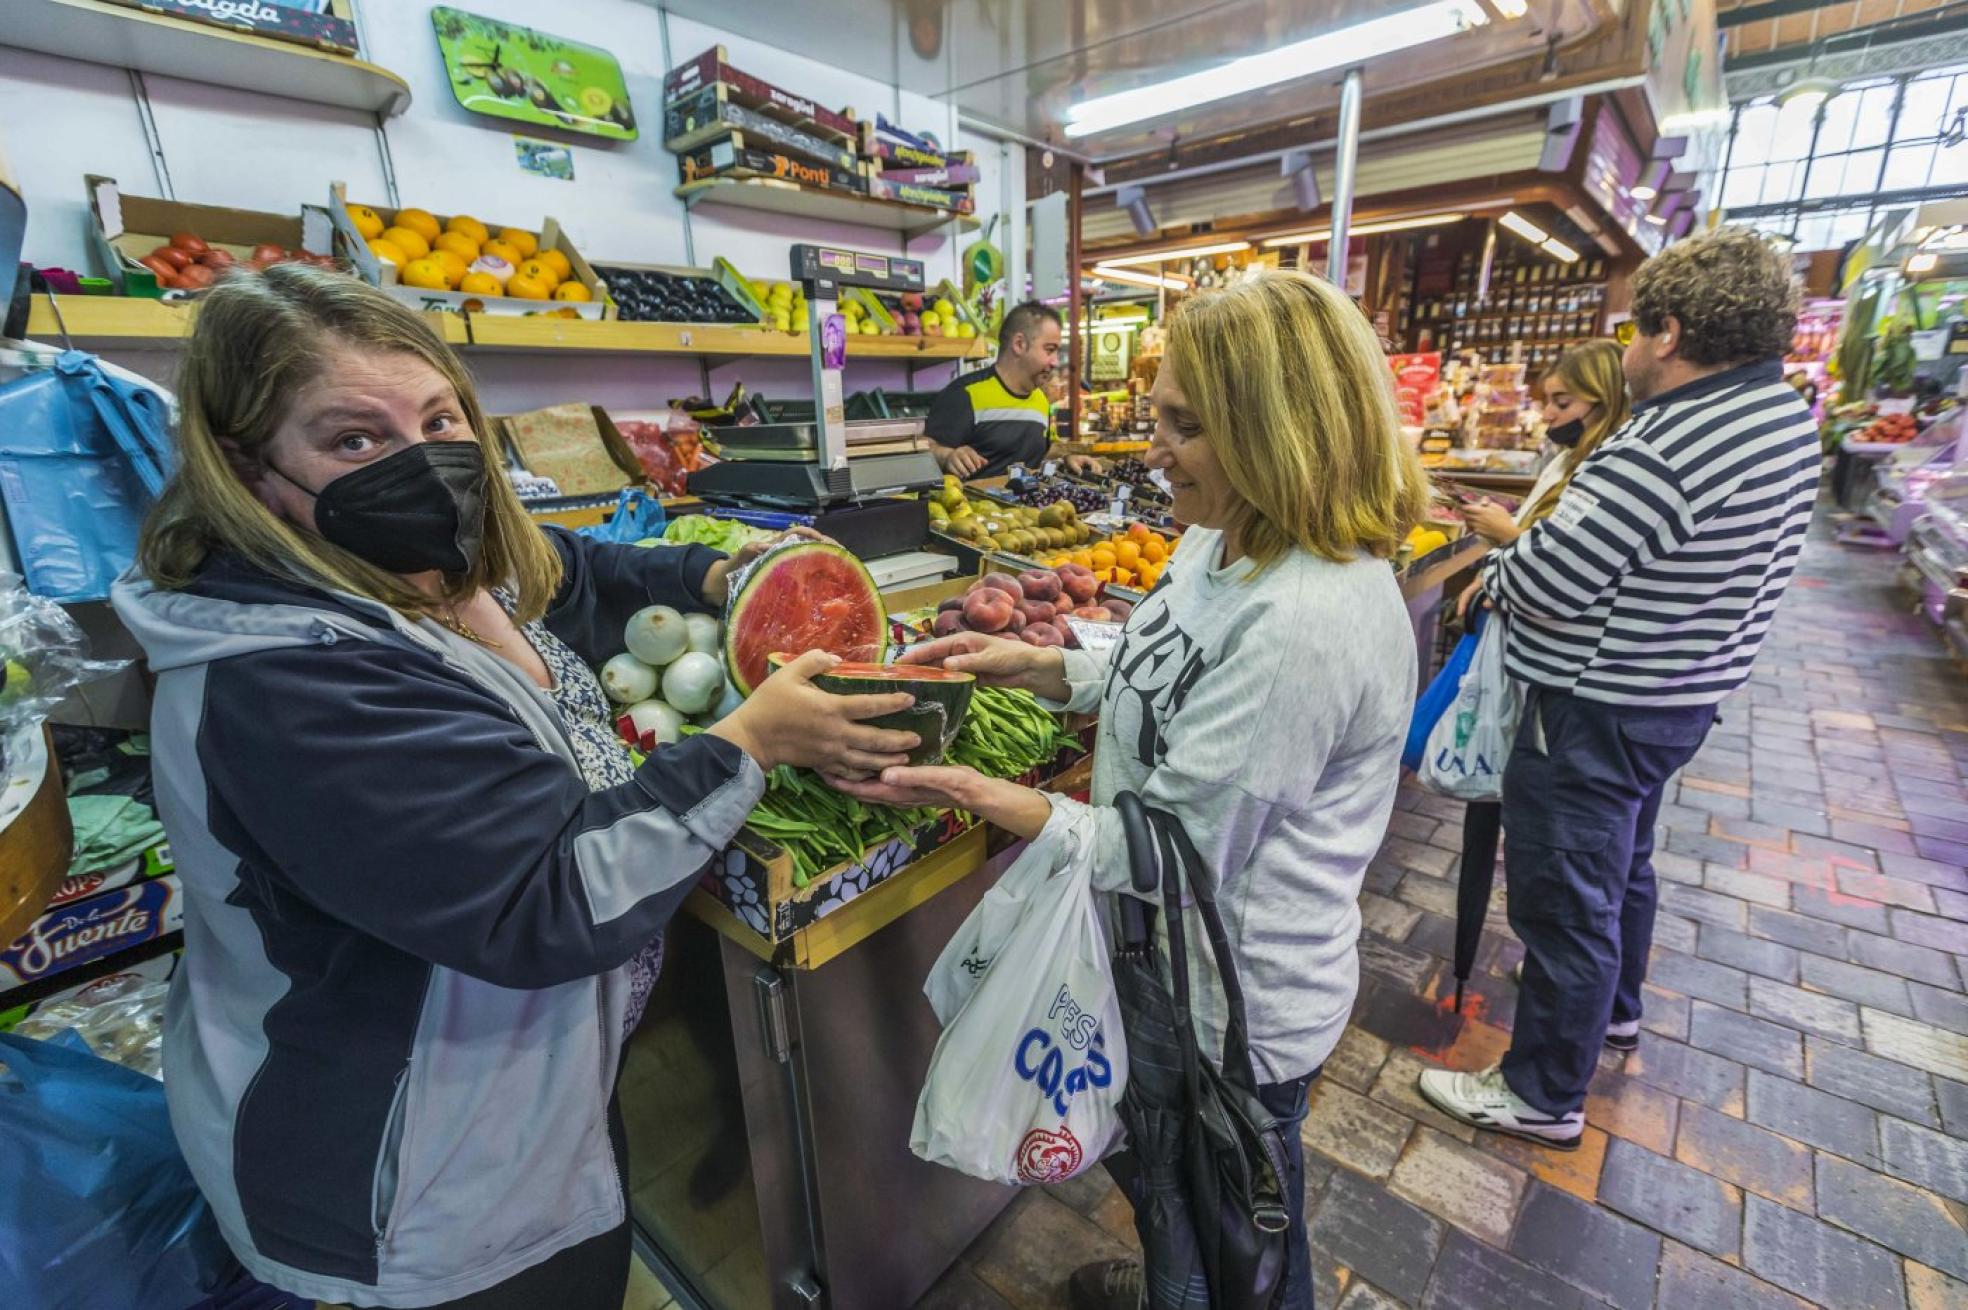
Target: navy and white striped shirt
{"type": "Point", "coordinates": [1654, 579]}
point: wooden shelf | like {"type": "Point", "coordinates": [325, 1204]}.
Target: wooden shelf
{"type": "Point", "coordinates": [128, 323]}
{"type": "Point", "coordinates": [104, 33]}
{"type": "Point", "coordinates": [778, 197]}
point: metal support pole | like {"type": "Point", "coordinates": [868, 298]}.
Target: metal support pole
{"type": "Point", "coordinates": [1075, 346]}
{"type": "Point", "coordinates": [1343, 169]}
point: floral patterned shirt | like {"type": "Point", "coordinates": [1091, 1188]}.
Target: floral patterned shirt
{"type": "Point", "coordinates": [604, 762]}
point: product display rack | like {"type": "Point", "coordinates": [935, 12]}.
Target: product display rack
{"type": "Point", "coordinates": [125, 37]}
{"type": "Point", "coordinates": [1532, 303]}
{"type": "Point", "coordinates": [128, 323]}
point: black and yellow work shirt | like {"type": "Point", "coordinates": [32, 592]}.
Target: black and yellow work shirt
{"type": "Point", "coordinates": [978, 410]}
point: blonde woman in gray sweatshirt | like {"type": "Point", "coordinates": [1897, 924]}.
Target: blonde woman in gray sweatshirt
{"type": "Point", "coordinates": [1261, 693]}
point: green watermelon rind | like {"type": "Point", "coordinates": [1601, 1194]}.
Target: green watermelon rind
{"type": "Point", "coordinates": [751, 582]}
{"type": "Point", "coordinates": [942, 700]}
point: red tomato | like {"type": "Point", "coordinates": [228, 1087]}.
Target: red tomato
{"type": "Point", "coordinates": [186, 241]}
{"type": "Point", "coordinates": [166, 275]}
{"type": "Point", "coordinates": [197, 276]}
{"type": "Point", "coordinates": [171, 255]}
{"type": "Point", "coordinates": [217, 259]}
{"type": "Point", "coordinates": [268, 253]}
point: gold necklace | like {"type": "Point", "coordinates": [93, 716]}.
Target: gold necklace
{"type": "Point", "coordinates": [463, 629]}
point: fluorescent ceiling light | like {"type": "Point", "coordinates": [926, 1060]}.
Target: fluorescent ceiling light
{"type": "Point", "coordinates": [1365, 229]}
{"type": "Point", "coordinates": [1694, 121]}
{"type": "Point", "coordinates": [1340, 48]}
{"type": "Point", "coordinates": [1565, 254]}
{"type": "Point", "coordinates": [1170, 256]}
{"type": "Point", "coordinates": [1658, 220]}
{"type": "Point", "coordinates": [1523, 227]}
{"type": "Point", "coordinates": [1509, 9]}
{"type": "Point", "coordinates": [1641, 191]}
{"type": "Point", "coordinates": [1924, 262]}
{"type": "Point", "coordinates": [1141, 279]}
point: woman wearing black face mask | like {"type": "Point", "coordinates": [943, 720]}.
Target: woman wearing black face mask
{"type": "Point", "coordinates": [425, 888]}
{"type": "Point", "coordinates": [1584, 403]}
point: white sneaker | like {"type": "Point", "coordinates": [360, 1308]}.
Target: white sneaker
{"type": "Point", "coordinates": [1486, 1101]}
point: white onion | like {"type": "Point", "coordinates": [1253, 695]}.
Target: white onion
{"type": "Point", "coordinates": [627, 680]}
{"type": "Point", "coordinates": [653, 716]}
{"type": "Point", "coordinates": [704, 633]}
{"type": "Point", "coordinates": [692, 683]}
{"type": "Point", "coordinates": [656, 635]}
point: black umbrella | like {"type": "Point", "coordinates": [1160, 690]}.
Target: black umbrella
{"type": "Point", "coordinates": [1482, 821]}
{"type": "Point", "coordinates": [1155, 1107]}
{"type": "Point", "coordinates": [1208, 1156]}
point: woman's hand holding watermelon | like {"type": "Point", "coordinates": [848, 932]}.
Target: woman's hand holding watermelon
{"type": "Point", "coordinates": [788, 720]}
{"type": "Point", "coordinates": [997, 662]}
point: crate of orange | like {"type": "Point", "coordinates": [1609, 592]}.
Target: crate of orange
{"type": "Point", "coordinates": [460, 263]}
{"type": "Point", "coordinates": [1134, 558]}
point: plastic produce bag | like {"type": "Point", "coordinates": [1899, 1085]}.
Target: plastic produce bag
{"type": "Point", "coordinates": [1025, 1084]}
{"type": "Point", "coordinates": [1435, 698]}
{"type": "Point", "coordinates": [638, 516]}
{"type": "Point", "coordinates": [1470, 743]}
{"type": "Point", "coordinates": [97, 1207]}
{"type": "Point", "coordinates": [84, 452]}
{"type": "Point", "coordinates": [982, 935]}
{"type": "Point", "coordinates": [43, 657]}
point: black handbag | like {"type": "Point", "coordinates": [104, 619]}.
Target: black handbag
{"type": "Point", "coordinates": [1234, 1149]}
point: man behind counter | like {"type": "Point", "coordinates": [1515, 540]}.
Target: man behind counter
{"type": "Point", "coordinates": [986, 421]}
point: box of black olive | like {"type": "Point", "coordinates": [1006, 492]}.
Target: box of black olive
{"type": "Point", "coordinates": [710, 113]}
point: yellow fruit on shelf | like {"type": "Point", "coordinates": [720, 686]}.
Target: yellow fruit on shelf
{"type": "Point", "coordinates": [1428, 539]}
{"type": "Point", "coordinates": [539, 271]}
{"type": "Point", "coordinates": [367, 221]}
{"type": "Point", "coordinates": [421, 221]}
{"type": "Point", "coordinates": [389, 252]}
{"type": "Point", "coordinates": [454, 267]}
{"type": "Point", "coordinates": [521, 240]}
{"type": "Point", "coordinates": [500, 248]}
{"type": "Point", "coordinates": [573, 291]}
{"type": "Point", "coordinates": [468, 226]}
{"type": "Point", "coordinates": [481, 284]}
{"type": "Point", "coordinates": [528, 288]}
{"type": "Point", "coordinates": [426, 273]}
{"type": "Point", "coordinates": [409, 242]}
{"type": "Point", "coordinates": [559, 263]}
{"type": "Point", "coordinates": [458, 243]}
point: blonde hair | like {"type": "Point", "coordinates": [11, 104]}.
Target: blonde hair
{"type": "Point", "coordinates": [1288, 381]}
{"type": "Point", "coordinates": [1591, 371]}
{"type": "Point", "coordinates": [260, 338]}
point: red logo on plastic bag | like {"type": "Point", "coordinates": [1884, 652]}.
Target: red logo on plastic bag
{"type": "Point", "coordinates": [1048, 1156]}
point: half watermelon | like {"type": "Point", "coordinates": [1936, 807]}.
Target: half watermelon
{"type": "Point", "coordinates": [942, 698]}
{"type": "Point", "coordinates": [802, 596]}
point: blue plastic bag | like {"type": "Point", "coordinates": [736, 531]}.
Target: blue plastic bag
{"type": "Point", "coordinates": [637, 517]}
{"type": "Point", "coordinates": [83, 456]}
{"type": "Point", "coordinates": [98, 1210]}
{"type": "Point", "coordinates": [1436, 698]}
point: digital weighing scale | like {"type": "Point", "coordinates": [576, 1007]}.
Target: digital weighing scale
{"type": "Point", "coordinates": [829, 460]}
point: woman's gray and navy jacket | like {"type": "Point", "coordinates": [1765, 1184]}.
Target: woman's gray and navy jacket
{"type": "Point", "coordinates": [391, 1045]}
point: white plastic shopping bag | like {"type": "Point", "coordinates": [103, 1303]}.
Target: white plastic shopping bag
{"type": "Point", "coordinates": [1025, 1083]}
{"type": "Point", "coordinates": [982, 935]}
{"type": "Point", "coordinates": [1470, 743]}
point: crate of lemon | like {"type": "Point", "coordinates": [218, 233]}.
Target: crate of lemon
{"type": "Point", "coordinates": [459, 263]}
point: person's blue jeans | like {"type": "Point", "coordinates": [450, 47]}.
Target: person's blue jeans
{"type": "Point", "coordinates": [1288, 1101]}
{"type": "Point", "coordinates": [1580, 796]}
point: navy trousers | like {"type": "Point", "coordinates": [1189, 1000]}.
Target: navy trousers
{"type": "Point", "coordinates": [1580, 796]}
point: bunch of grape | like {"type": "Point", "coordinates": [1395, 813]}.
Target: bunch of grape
{"type": "Point", "coordinates": [1135, 474]}
{"type": "Point", "coordinates": [1040, 492]}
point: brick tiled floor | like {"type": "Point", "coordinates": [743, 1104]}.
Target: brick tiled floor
{"type": "Point", "coordinates": [1794, 1128]}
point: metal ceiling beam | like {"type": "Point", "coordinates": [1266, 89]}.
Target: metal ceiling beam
{"type": "Point", "coordinates": [1770, 9]}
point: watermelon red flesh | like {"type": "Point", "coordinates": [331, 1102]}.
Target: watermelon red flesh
{"type": "Point", "coordinates": [809, 596]}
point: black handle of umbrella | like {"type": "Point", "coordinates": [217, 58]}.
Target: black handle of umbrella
{"type": "Point", "coordinates": [1144, 867]}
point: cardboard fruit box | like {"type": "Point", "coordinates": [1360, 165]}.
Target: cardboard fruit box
{"type": "Point", "coordinates": [576, 445]}
{"type": "Point", "coordinates": [126, 228]}
{"type": "Point", "coordinates": [353, 247]}
{"type": "Point", "coordinates": [711, 112]}
{"type": "Point", "coordinates": [711, 68]}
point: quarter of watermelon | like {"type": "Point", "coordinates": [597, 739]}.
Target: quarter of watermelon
{"type": "Point", "coordinates": [802, 596]}
{"type": "Point", "coordinates": [942, 698]}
